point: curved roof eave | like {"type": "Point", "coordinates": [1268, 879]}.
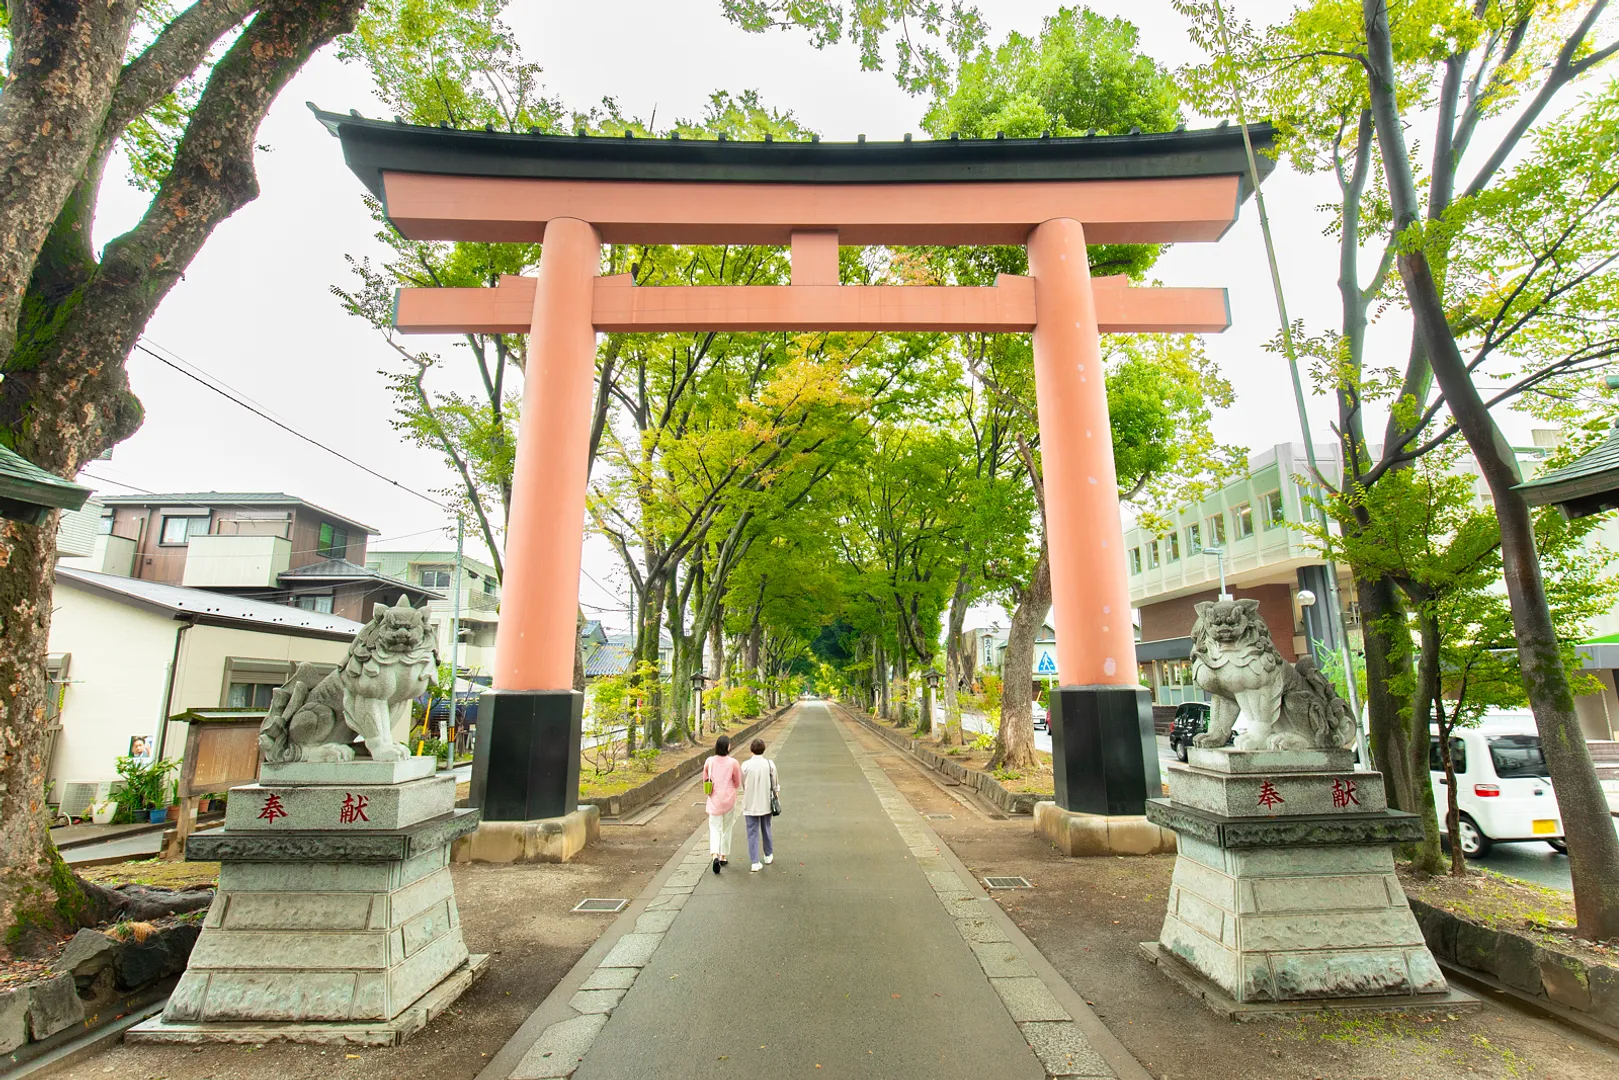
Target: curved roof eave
{"type": "Point", "coordinates": [371, 147]}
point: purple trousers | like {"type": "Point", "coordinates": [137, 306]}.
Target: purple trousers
{"type": "Point", "coordinates": [757, 825]}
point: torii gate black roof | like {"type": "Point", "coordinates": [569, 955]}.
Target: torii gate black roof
{"type": "Point", "coordinates": [371, 147]}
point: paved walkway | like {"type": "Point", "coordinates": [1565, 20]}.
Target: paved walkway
{"type": "Point", "coordinates": [861, 952]}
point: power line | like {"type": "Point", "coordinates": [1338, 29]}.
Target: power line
{"type": "Point", "coordinates": [256, 411]}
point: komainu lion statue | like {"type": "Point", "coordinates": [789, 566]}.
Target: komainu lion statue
{"type": "Point", "coordinates": [313, 718]}
{"type": "Point", "coordinates": [1286, 706]}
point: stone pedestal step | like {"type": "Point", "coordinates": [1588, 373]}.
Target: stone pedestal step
{"type": "Point", "coordinates": [1213, 996]}
{"type": "Point", "coordinates": [332, 845]}
{"type": "Point", "coordinates": [1276, 794]}
{"type": "Point", "coordinates": [349, 807]}
{"type": "Point", "coordinates": [1271, 761]}
{"type": "Point", "coordinates": [354, 1033]}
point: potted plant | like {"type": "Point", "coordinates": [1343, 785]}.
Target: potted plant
{"type": "Point", "coordinates": [145, 785]}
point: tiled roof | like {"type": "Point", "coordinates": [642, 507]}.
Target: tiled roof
{"type": "Point", "coordinates": [343, 570]}
{"type": "Point", "coordinates": [610, 659]}
{"type": "Point", "coordinates": [1591, 481]}
{"type": "Point", "coordinates": [227, 499]}
{"type": "Point", "coordinates": [213, 606]}
{"type": "Point", "coordinates": [23, 481]}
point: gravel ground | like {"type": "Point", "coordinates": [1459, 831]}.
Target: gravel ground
{"type": "Point", "coordinates": [517, 914]}
{"type": "Point", "coordinates": [1087, 916]}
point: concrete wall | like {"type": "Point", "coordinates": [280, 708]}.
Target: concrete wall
{"type": "Point", "coordinates": [119, 668]}
{"type": "Point", "coordinates": [1174, 618]}
{"type": "Point", "coordinates": [1599, 712]}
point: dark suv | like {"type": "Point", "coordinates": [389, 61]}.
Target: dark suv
{"type": "Point", "coordinates": [1191, 719]}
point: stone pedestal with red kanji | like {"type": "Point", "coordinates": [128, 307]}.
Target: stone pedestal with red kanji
{"type": "Point", "coordinates": [335, 919]}
{"type": "Point", "coordinates": [1284, 887]}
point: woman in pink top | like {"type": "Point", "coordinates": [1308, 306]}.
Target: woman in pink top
{"type": "Point", "coordinates": [722, 779]}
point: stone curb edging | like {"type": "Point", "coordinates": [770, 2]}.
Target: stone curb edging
{"type": "Point", "coordinates": [981, 782]}
{"type": "Point", "coordinates": [1064, 1034]}
{"type": "Point", "coordinates": [628, 802]}
{"type": "Point", "coordinates": [1524, 966]}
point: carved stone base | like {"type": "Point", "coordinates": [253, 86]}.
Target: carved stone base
{"type": "Point", "coordinates": [1080, 835]}
{"type": "Point", "coordinates": [551, 840]}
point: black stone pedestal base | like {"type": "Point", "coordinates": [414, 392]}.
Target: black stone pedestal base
{"type": "Point", "coordinates": [526, 763]}
{"type": "Point", "coordinates": [1103, 749]}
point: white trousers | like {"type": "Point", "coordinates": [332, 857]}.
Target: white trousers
{"type": "Point", "coordinates": [720, 827]}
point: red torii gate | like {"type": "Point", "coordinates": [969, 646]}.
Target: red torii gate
{"type": "Point", "coordinates": [574, 194]}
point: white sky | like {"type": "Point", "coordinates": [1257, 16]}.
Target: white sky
{"type": "Point", "coordinates": [255, 309]}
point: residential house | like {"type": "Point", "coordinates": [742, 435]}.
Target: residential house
{"type": "Point", "coordinates": [126, 655]}
{"type": "Point", "coordinates": [266, 546]}
{"type": "Point", "coordinates": [479, 599]}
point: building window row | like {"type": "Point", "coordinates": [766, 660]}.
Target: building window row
{"type": "Point", "coordinates": [1273, 513]}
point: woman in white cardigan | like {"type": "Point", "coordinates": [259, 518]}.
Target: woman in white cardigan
{"type": "Point", "coordinates": [759, 783]}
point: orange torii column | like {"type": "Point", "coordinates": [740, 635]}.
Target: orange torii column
{"type": "Point", "coordinates": [1104, 754]}
{"type": "Point", "coordinates": [527, 760]}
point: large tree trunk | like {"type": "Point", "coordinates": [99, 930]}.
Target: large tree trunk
{"type": "Point", "coordinates": [1593, 845]}
{"type": "Point", "coordinates": [1014, 744]}
{"type": "Point", "coordinates": [1427, 857]}
{"type": "Point", "coordinates": [65, 396]}
{"type": "Point", "coordinates": [1388, 656]}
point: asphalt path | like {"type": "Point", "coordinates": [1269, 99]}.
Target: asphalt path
{"type": "Point", "coordinates": [837, 960]}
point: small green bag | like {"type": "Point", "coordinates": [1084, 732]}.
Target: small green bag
{"type": "Point", "coordinates": [708, 787]}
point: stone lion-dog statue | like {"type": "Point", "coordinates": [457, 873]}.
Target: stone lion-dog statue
{"type": "Point", "coordinates": [1285, 706]}
{"type": "Point", "coordinates": [316, 718]}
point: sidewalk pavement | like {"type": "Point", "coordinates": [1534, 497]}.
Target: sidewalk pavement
{"type": "Point", "coordinates": [862, 951]}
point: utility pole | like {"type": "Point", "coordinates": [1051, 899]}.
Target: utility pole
{"type": "Point", "coordinates": [455, 626]}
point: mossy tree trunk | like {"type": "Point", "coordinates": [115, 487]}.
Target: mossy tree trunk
{"type": "Point", "coordinates": [66, 333]}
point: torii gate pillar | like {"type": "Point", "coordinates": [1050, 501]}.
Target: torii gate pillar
{"type": "Point", "coordinates": [1104, 754]}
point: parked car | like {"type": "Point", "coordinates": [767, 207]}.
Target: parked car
{"type": "Point", "coordinates": [1503, 788]}
{"type": "Point", "coordinates": [1042, 719]}
{"type": "Point", "coordinates": [1191, 720]}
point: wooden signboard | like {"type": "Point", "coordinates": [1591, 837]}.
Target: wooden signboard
{"type": "Point", "coordinates": [222, 751]}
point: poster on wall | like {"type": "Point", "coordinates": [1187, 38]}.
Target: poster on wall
{"type": "Point", "coordinates": [140, 747]}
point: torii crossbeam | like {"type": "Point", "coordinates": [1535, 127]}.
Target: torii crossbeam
{"type": "Point", "coordinates": [573, 194]}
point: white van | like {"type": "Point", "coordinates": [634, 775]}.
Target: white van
{"type": "Point", "coordinates": [1503, 789]}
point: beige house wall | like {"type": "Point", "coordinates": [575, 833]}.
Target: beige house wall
{"type": "Point", "coordinates": [118, 670]}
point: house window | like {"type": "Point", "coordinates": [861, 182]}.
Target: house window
{"type": "Point", "coordinates": [435, 579]}
{"type": "Point", "coordinates": [1242, 520]}
{"type": "Point", "coordinates": [178, 530]}
{"type": "Point", "coordinates": [321, 603]}
{"type": "Point", "coordinates": [1174, 541]}
{"type": "Point", "coordinates": [1194, 539]}
{"type": "Point", "coordinates": [1135, 560]}
{"type": "Point", "coordinates": [489, 586]}
{"type": "Point", "coordinates": [1217, 529]}
{"type": "Point", "coordinates": [250, 695]}
{"type": "Point", "coordinates": [1275, 515]}
{"type": "Point", "coordinates": [334, 542]}
{"type": "Point", "coordinates": [104, 526]}
{"type": "Point", "coordinates": [1152, 554]}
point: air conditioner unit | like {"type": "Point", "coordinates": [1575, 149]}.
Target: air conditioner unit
{"type": "Point", "coordinates": [77, 795]}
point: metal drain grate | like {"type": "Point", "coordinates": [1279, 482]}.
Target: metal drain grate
{"type": "Point", "coordinates": [597, 905]}
{"type": "Point", "coordinates": [1007, 883]}
{"type": "Point", "coordinates": [941, 817]}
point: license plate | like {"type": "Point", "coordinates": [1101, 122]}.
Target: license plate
{"type": "Point", "coordinates": [1545, 827]}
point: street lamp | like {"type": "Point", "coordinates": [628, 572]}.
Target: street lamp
{"type": "Point", "coordinates": [929, 693]}
{"type": "Point", "coordinates": [697, 681]}
{"type": "Point", "coordinates": [1219, 557]}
